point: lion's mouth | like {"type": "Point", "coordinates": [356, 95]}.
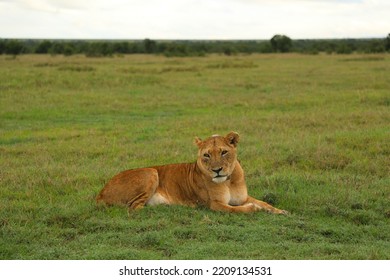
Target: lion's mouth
{"type": "Point", "coordinates": [221, 178]}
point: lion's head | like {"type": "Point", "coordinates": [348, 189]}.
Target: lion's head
{"type": "Point", "coordinates": [217, 156]}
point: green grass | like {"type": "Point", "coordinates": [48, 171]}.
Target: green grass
{"type": "Point", "coordinates": [315, 140]}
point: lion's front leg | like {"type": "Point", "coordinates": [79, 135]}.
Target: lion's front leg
{"type": "Point", "coordinates": [245, 208]}
{"type": "Point", "coordinates": [265, 206]}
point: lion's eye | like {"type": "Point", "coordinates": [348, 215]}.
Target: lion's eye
{"type": "Point", "coordinates": [206, 155]}
{"type": "Point", "coordinates": [224, 152]}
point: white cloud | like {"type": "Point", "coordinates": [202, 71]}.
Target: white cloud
{"type": "Point", "coordinates": [193, 19]}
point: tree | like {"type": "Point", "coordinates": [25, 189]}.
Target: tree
{"type": "Point", "coordinates": [150, 46]}
{"type": "Point", "coordinates": [13, 47]}
{"type": "Point", "coordinates": [98, 49]}
{"type": "Point", "coordinates": [229, 50]}
{"type": "Point", "coordinates": [69, 49]}
{"type": "Point", "coordinates": [120, 47]}
{"type": "Point", "coordinates": [56, 48]}
{"type": "Point", "coordinates": [106, 49]}
{"type": "Point", "coordinates": [281, 43]}
{"type": "Point", "coordinates": [265, 47]}
{"type": "Point", "coordinates": [344, 48]}
{"type": "Point", "coordinates": [2, 46]}
{"type": "Point", "coordinates": [175, 49]}
{"type": "Point", "coordinates": [387, 43]}
{"type": "Point", "coordinates": [43, 47]}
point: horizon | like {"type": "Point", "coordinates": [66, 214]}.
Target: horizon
{"type": "Point", "coordinates": [205, 40]}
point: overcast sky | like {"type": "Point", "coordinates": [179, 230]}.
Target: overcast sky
{"type": "Point", "coordinates": [193, 19]}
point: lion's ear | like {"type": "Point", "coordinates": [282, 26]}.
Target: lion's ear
{"type": "Point", "coordinates": [233, 138]}
{"type": "Point", "coordinates": [198, 141]}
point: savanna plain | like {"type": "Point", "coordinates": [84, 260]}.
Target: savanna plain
{"type": "Point", "coordinates": [315, 140]}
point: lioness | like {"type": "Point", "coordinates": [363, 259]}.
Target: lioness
{"type": "Point", "coordinates": [215, 180]}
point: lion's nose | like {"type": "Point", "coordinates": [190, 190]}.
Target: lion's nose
{"type": "Point", "coordinates": [217, 170]}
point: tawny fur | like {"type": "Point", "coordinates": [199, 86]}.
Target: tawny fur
{"type": "Point", "coordinates": [216, 180]}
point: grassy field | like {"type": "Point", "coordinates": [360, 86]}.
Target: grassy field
{"type": "Point", "coordinates": [315, 140]}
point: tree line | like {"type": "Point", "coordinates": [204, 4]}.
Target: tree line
{"type": "Point", "coordinates": [277, 44]}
